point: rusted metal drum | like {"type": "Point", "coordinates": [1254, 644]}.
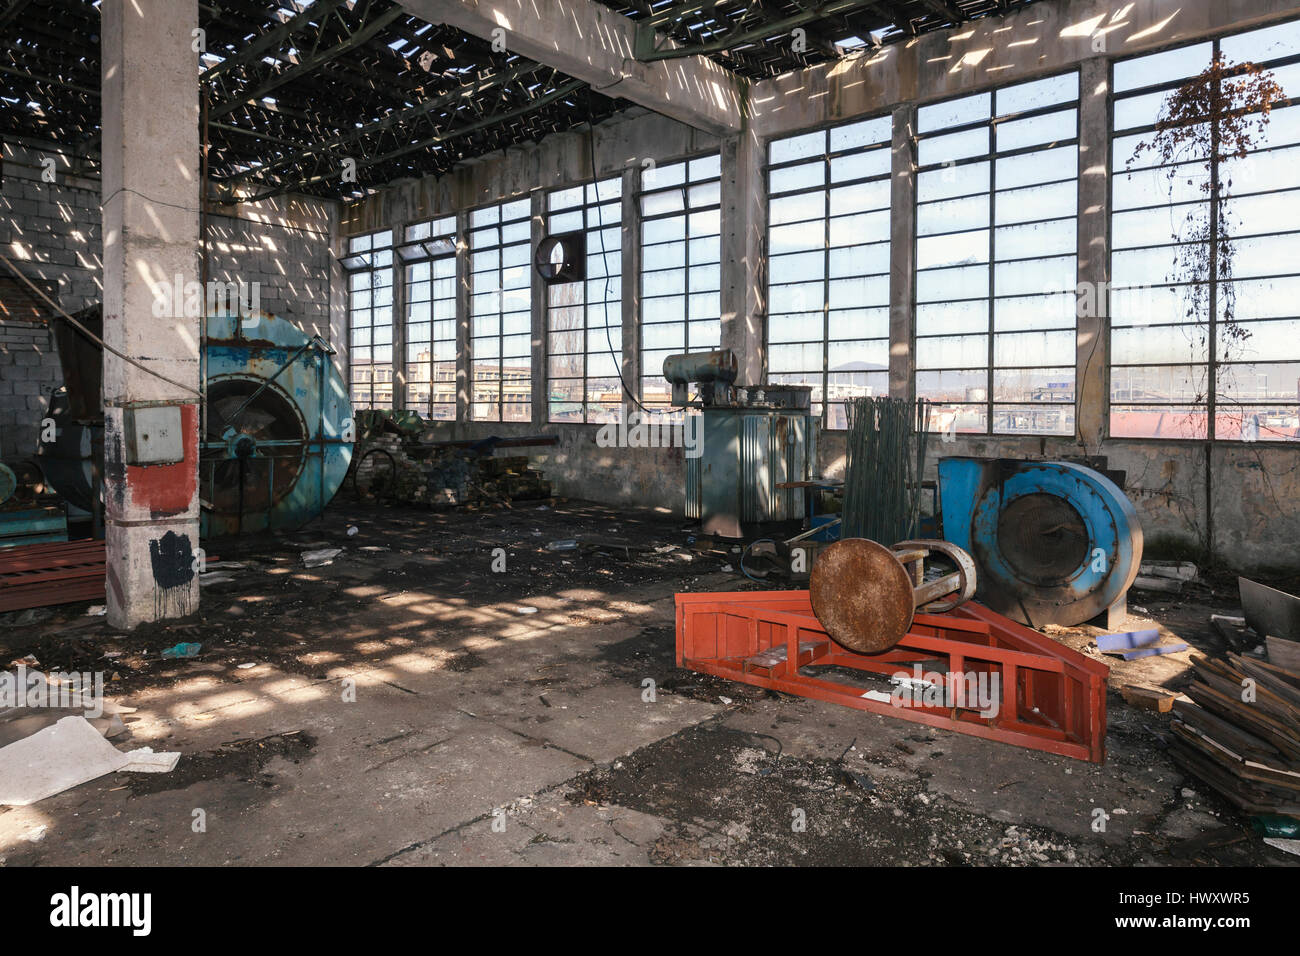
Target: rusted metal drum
{"type": "Point", "coordinates": [862, 595]}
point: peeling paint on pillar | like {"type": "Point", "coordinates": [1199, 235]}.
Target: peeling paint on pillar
{"type": "Point", "coordinates": [168, 490]}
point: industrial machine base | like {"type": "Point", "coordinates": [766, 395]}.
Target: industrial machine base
{"type": "Point", "coordinates": [1050, 697]}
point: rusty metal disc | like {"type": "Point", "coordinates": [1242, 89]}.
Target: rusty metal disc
{"type": "Point", "coordinates": [862, 595]}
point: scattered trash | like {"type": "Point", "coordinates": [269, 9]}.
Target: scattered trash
{"type": "Point", "coordinates": [352, 530]}
{"type": "Point", "coordinates": [1274, 825]}
{"type": "Point", "coordinates": [58, 758]}
{"type": "Point", "coordinates": [524, 609]}
{"type": "Point", "coordinates": [664, 549]}
{"type": "Point", "coordinates": [1128, 640]}
{"type": "Point", "coordinates": [725, 700]}
{"type": "Point", "coordinates": [1269, 611]}
{"type": "Point", "coordinates": [145, 760]}
{"type": "Point", "coordinates": [1286, 846]}
{"type": "Point", "coordinates": [1149, 699]}
{"type": "Point", "coordinates": [97, 610]}
{"type": "Point", "coordinates": [182, 651]}
{"type": "Point", "coordinates": [1164, 585]}
{"type": "Point", "coordinates": [1132, 645]}
{"type": "Point", "coordinates": [564, 544]}
{"type": "Point", "coordinates": [214, 578]}
{"type": "Point", "coordinates": [35, 834]}
{"type": "Point", "coordinates": [110, 727]}
{"type": "Point", "coordinates": [1172, 570]}
{"type": "Point", "coordinates": [28, 661]}
{"type": "Point", "coordinates": [1285, 654]}
{"type": "Point", "coordinates": [318, 559]}
{"type": "Point", "coordinates": [727, 567]}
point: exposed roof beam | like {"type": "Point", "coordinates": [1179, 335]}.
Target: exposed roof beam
{"type": "Point", "coordinates": [651, 46]}
{"type": "Point", "coordinates": [946, 8]}
{"type": "Point", "coordinates": [591, 42]}
{"type": "Point", "coordinates": [572, 86]}
{"type": "Point", "coordinates": [469, 91]}
{"type": "Point", "coordinates": [272, 39]}
{"type": "Point", "coordinates": [310, 64]}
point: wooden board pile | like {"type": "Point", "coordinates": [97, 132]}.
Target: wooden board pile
{"type": "Point", "coordinates": [39, 575]}
{"type": "Point", "coordinates": [1240, 732]}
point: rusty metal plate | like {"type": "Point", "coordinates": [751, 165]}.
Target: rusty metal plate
{"type": "Point", "coordinates": [862, 595]}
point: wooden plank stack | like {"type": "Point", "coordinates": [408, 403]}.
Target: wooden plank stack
{"type": "Point", "coordinates": [38, 575]}
{"type": "Point", "coordinates": [1246, 749]}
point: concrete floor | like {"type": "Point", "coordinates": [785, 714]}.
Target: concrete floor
{"type": "Point", "coordinates": [484, 732]}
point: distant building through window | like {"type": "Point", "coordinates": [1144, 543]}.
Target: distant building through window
{"type": "Point", "coordinates": [370, 319]}
{"type": "Point", "coordinates": [501, 312]}
{"type": "Point", "coordinates": [584, 319]}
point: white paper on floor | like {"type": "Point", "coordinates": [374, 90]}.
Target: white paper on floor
{"type": "Point", "coordinates": [66, 755]}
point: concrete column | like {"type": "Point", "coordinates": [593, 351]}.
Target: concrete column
{"type": "Point", "coordinates": [399, 320]}
{"type": "Point", "coordinates": [151, 240]}
{"type": "Point", "coordinates": [744, 273]}
{"type": "Point", "coordinates": [631, 285]}
{"type": "Point", "coordinates": [1092, 363]}
{"type": "Point", "coordinates": [902, 257]}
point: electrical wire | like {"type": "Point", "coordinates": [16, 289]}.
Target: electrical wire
{"type": "Point", "coordinates": [604, 260]}
{"type": "Point", "coordinates": [91, 335]}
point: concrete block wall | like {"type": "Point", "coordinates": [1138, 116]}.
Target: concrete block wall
{"type": "Point", "coordinates": [283, 244]}
{"type": "Point", "coordinates": [51, 232]}
{"type": "Point", "coordinates": [29, 372]}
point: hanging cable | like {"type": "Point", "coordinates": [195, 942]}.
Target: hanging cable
{"type": "Point", "coordinates": [91, 335]}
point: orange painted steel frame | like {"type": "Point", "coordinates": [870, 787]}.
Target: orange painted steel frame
{"type": "Point", "coordinates": [1052, 698]}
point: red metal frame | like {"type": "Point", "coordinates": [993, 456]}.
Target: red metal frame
{"type": "Point", "coordinates": [1052, 698]}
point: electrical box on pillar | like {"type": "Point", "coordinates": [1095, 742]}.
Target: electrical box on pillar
{"type": "Point", "coordinates": [153, 435]}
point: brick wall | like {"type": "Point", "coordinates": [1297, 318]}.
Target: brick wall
{"type": "Point", "coordinates": [52, 232]}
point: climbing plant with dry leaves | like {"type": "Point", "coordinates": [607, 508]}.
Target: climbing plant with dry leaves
{"type": "Point", "coordinates": [1213, 118]}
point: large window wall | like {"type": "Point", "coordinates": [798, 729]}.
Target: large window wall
{"type": "Point", "coordinates": [370, 319]}
{"type": "Point", "coordinates": [681, 230]}
{"type": "Point", "coordinates": [996, 258]}
{"type": "Point", "coordinates": [828, 263]}
{"type": "Point", "coordinates": [995, 342]}
{"type": "Point", "coordinates": [1195, 354]}
{"type": "Point", "coordinates": [429, 258]}
{"type": "Point", "coordinates": [501, 312]}
{"type": "Point", "coordinates": [584, 319]}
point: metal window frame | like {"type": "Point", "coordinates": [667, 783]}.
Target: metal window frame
{"type": "Point", "coordinates": [991, 157]}
{"type": "Point", "coordinates": [429, 258]}
{"type": "Point", "coordinates": [826, 156]}
{"type": "Point", "coordinates": [1208, 407]}
{"type": "Point", "coordinates": [372, 270]}
{"type": "Point", "coordinates": [499, 246]}
{"type": "Point", "coordinates": [610, 254]}
{"type": "Point", "coordinates": [685, 213]}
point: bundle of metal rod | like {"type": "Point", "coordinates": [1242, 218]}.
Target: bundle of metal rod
{"type": "Point", "coordinates": [884, 461]}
